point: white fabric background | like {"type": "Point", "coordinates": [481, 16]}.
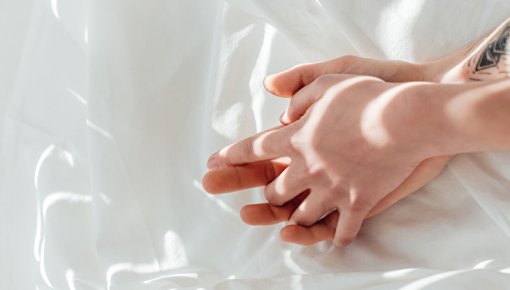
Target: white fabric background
{"type": "Point", "coordinates": [109, 110]}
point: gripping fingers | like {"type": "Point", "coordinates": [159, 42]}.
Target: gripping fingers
{"type": "Point", "coordinates": [310, 211]}
{"type": "Point", "coordinates": [324, 230]}
{"type": "Point", "coordinates": [287, 83]}
{"type": "Point", "coordinates": [348, 227]}
{"type": "Point", "coordinates": [264, 214]}
{"type": "Point", "coordinates": [286, 186]}
{"type": "Point", "coordinates": [241, 177]}
{"type": "Point", "coordinates": [307, 96]}
{"type": "Point", "coordinates": [267, 145]}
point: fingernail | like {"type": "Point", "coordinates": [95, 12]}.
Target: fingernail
{"type": "Point", "coordinates": [285, 117]}
{"type": "Point", "coordinates": [213, 163]}
{"type": "Point", "coordinates": [281, 118]}
{"type": "Point", "coordinates": [291, 222]}
{"type": "Point", "coordinates": [265, 82]}
{"type": "Point", "coordinates": [267, 78]}
{"type": "Point", "coordinates": [341, 243]}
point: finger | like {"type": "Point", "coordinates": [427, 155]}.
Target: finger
{"type": "Point", "coordinates": [348, 227]}
{"type": "Point", "coordinates": [310, 211]}
{"type": "Point", "coordinates": [266, 145]}
{"type": "Point", "coordinates": [324, 230]}
{"type": "Point", "coordinates": [234, 178]}
{"type": "Point", "coordinates": [214, 162]}
{"type": "Point", "coordinates": [286, 186]}
{"type": "Point", "coordinates": [287, 83]}
{"type": "Point", "coordinates": [307, 96]}
{"type": "Point", "coordinates": [264, 214]}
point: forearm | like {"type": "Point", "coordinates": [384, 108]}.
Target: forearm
{"type": "Point", "coordinates": [487, 58]}
{"type": "Point", "coordinates": [465, 118]}
{"type": "Point", "coordinates": [490, 58]}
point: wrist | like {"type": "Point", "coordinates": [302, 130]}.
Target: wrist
{"type": "Point", "coordinates": [428, 127]}
{"type": "Point", "coordinates": [411, 118]}
{"type": "Point", "coordinates": [479, 114]}
{"type": "Point", "coordinates": [460, 118]}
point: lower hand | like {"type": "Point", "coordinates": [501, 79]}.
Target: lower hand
{"type": "Point", "coordinates": [237, 178]}
{"type": "Point", "coordinates": [348, 143]}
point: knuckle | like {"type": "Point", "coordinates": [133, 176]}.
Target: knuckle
{"type": "Point", "coordinates": [228, 158]}
{"type": "Point", "coordinates": [357, 202]}
{"type": "Point", "coordinates": [312, 171]}
{"type": "Point", "coordinates": [302, 221]}
{"type": "Point", "coordinates": [286, 145]}
{"type": "Point", "coordinates": [269, 171]}
{"type": "Point", "coordinates": [353, 205]}
{"type": "Point", "coordinates": [298, 219]}
{"type": "Point", "coordinates": [343, 63]}
{"type": "Point", "coordinates": [315, 143]}
{"type": "Point", "coordinates": [303, 140]}
{"type": "Point", "coordinates": [343, 241]}
{"type": "Point", "coordinates": [296, 142]}
{"type": "Point", "coordinates": [333, 193]}
{"type": "Point", "coordinates": [304, 72]}
{"type": "Point", "coordinates": [347, 59]}
{"type": "Point", "coordinates": [293, 109]}
{"type": "Point", "coordinates": [247, 149]}
{"type": "Point", "coordinates": [370, 80]}
{"type": "Point", "coordinates": [325, 80]}
{"type": "Point", "coordinates": [302, 66]}
{"type": "Point", "coordinates": [271, 196]}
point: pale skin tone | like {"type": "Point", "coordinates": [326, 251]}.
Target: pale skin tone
{"type": "Point", "coordinates": [362, 134]}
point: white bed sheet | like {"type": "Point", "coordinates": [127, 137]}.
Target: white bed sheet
{"type": "Point", "coordinates": [109, 110]}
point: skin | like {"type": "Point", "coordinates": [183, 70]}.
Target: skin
{"type": "Point", "coordinates": [235, 178]}
{"type": "Point", "coordinates": [317, 79]}
{"type": "Point", "coordinates": [349, 163]}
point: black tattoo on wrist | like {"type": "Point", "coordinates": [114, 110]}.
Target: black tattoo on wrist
{"type": "Point", "coordinates": [492, 54]}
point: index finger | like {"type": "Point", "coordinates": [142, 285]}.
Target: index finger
{"type": "Point", "coordinates": [264, 214]}
{"type": "Point", "coordinates": [234, 178]}
{"type": "Point", "coordinates": [289, 82]}
{"type": "Point", "coordinates": [271, 144]}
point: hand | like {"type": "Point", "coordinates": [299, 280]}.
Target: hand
{"type": "Point", "coordinates": [257, 174]}
{"type": "Point", "coordinates": [458, 67]}
{"type": "Point", "coordinates": [454, 68]}
{"type": "Point", "coordinates": [286, 84]}
{"type": "Point", "coordinates": [350, 142]}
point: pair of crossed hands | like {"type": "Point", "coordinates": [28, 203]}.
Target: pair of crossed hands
{"type": "Point", "coordinates": [342, 154]}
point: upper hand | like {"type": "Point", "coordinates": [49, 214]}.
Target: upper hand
{"type": "Point", "coordinates": [348, 145]}
{"type": "Point", "coordinates": [453, 68]}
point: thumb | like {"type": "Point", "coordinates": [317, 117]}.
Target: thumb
{"type": "Point", "coordinates": [287, 83]}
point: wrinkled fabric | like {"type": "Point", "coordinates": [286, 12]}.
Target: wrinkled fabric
{"type": "Point", "coordinates": [109, 110]}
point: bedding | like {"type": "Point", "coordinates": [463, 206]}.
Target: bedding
{"type": "Point", "coordinates": [109, 110]}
